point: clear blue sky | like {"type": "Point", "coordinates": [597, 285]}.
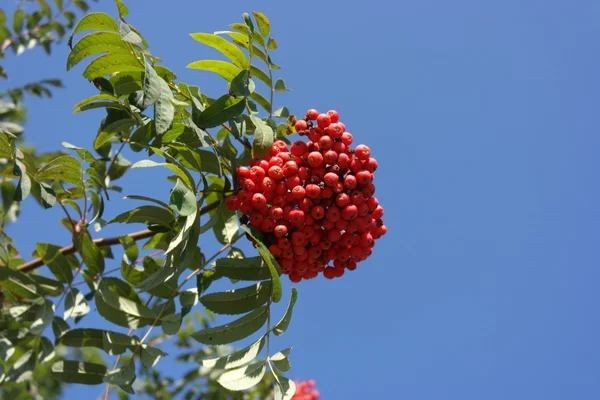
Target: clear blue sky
{"type": "Point", "coordinates": [484, 118]}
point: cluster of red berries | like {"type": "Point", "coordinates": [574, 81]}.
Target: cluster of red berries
{"type": "Point", "coordinates": [306, 391]}
{"type": "Point", "coordinates": [314, 201]}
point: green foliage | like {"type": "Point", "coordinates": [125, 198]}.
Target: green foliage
{"type": "Point", "coordinates": [145, 109]}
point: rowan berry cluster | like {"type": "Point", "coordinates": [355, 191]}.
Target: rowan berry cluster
{"type": "Point", "coordinates": [314, 200]}
{"type": "Point", "coordinates": [306, 391]}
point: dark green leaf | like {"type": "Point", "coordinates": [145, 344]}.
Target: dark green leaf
{"type": "Point", "coordinates": [151, 355]}
{"type": "Point", "coordinates": [280, 86]}
{"type": "Point", "coordinates": [261, 100]}
{"type": "Point", "coordinates": [75, 304]}
{"type": "Point", "coordinates": [54, 259]}
{"type": "Point", "coordinates": [220, 111]}
{"type": "Point", "coordinates": [236, 359]}
{"type": "Point", "coordinates": [43, 317]}
{"type": "Point", "coordinates": [79, 372]}
{"type": "Point", "coordinates": [90, 253]}
{"type": "Point", "coordinates": [19, 284]}
{"type": "Point", "coordinates": [233, 331]}
{"type": "Point", "coordinates": [238, 301]}
{"type": "Point", "coordinates": [150, 215]}
{"type": "Point", "coordinates": [283, 324]}
{"type": "Point", "coordinates": [164, 112]}
{"type": "Point", "coordinates": [242, 85]}
{"type": "Point", "coordinates": [263, 138]}
{"type": "Point", "coordinates": [121, 376]}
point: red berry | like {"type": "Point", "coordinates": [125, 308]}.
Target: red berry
{"type": "Point", "coordinates": [350, 212]}
{"type": "Point", "coordinates": [290, 168]}
{"type": "Point", "coordinates": [377, 213]}
{"type": "Point", "coordinates": [347, 138]}
{"type": "Point", "coordinates": [363, 177]}
{"type": "Point", "coordinates": [301, 125]}
{"type": "Point", "coordinates": [325, 142]}
{"type": "Point", "coordinates": [371, 165]}
{"type": "Point", "coordinates": [298, 192]}
{"type": "Point", "coordinates": [350, 182]}
{"type": "Point", "coordinates": [312, 114]}
{"type": "Point", "coordinates": [280, 231]}
{"type": "Point", "coordinates": [342, 200]}
{"type": "Point", "coordinates": [258, 200]}
{"type": "Point", "coordinates": [298, 148]}
{"type": "Point", "coordinates": [232, 203]}
{"type": "Point", "coordinates": [362, 152]}
{"type": "Point", "coordinates": [317, 212]}
{"type": "Point", "coordinates": [276, 172]}
{"type": "Point", "coordinates": [243, 173]}
{"type": "Point", "coordinates": [315, 159]}
{"type": "Point", "coordinates": [331, 179]}
{"type": "Point", "coordinates": [323, 120]}
{"type": "Point", "coordinates": [313, 191]}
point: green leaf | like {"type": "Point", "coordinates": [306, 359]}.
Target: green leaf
{"type": "Point", "coordinates": [284, 388]}
{"type": "Point", "coordinates": [94, 43]}
{"type": "Point", "coordinates": [233, 331]}
{"type": "Point", "coordinates": [62, 168]}
{"type": "Point", "coordinates": [281, 360]}
{"type": "Point", "coordinates": [228, 49]}
{"type": "Point", "coordinates": [151, 355]}
{"type": "Point", "coordinates": [220, 111]}
{"type": "Point", "coordinates": [204, 280]}
{"type": "Point", "coordinates": [48, 286]}
{"type": "Point", "coordinates": [19, 284]}
{"type": "Point", "coordinates": [43, 317]}
{"type": "Point", "coordinates": [56, 261]}
{"type": "Point", "coordinates": [243, 378]}
{"type": "Point", "coordinates": [171, 324]}
{"type": "Point", "coordinates": [149, 215]}
{"type": "Point", "coordinates": [123, 10]}
{"type": "Point", "coordinates": [121, 310]}
{"type": "Point", "coordinates": [270, 260]}
{"type": "Point", "coordinates": [136, 276]}
{"type": "Point", "coordinates": [90, 253]}
{"type": "Point", "coordinates": [110, 63]}
{"type": "Point", "coordinates": [131, 249]}
{"type": "Point", "coordinates": [182, 199]}
{"type": "Point", "coordinates": [238, 301]}
{"type": "Point", "coordinates": [280, 86]}
{"type": "Point", "coordinates": [258, 73]}
{"type": "Point", "coordinates": [224, 69]}
{"type": "Point", "coordinates": [245, 269]}
{"type": "Point", "coordinates": [175, 168]}
{"type": "Point", "coordinates": [227, 226]}
{"type": "Point", "coordinates": [153, 86]}
{"type": "Point", "coordinates": [59, 327]}
{"type": "Point", "coordinates": [272, 44]}
{"type": "Point", "coordinates": [129, 35]}
{"type": "Point", "coordinates": [164, 112]}
{"type": "Point", "coordinates": [263, 138]}
{"type": "Point", "coordinates": [283, 324]}
{"type": "Point", "coordinates": [236, 359]}
{"type": "Point", "coordinates": [261, 100]}
{"type": "Point", "coordinates": [242, 85]}
{"type": "Point", "coordinates": [7, 349]}
{"type": "Point", "coordinates": [117, 343]}
{"type": "Point", "coordinates": [122, 376]}
{"type": "Point", "coordinates": [96, 21]}
{"type": "Point", "coordinates": [263, 23]}
{"type": "Point", "coordinates": [87, 337]}
{"type": "Point", "coordinates": [75, 305]}
{"type": "Point", "coordinates": [79, 372]}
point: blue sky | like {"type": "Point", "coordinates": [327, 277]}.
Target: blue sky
{"type": "Point", "coordinates": [483, 116]}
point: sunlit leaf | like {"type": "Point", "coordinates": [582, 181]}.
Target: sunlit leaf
{"type": "Point", "coordinates": [233, 331]}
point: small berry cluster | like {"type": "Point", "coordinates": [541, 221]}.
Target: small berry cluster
{"type": "Point", "coordinates": [314, 201]}
{"type": "Point", "coordinates": [306, 391]}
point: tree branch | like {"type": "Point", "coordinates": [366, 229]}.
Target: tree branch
{"type": "Point", "coordinates": [103, 242]}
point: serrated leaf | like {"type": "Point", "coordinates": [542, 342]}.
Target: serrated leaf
{"type": "Point", "coordinates": [283, 324]}
{"type": "Point", "coordinates": [56, 261]}
{"type": "Point", "coordinates": [121, 310]}
{"type": "Point", "coordinates": [224, 69]}
{"type": "Point", "coordinates": [236, 359]}
{"type": "Point", "coordinates": [96, 21]}
{"type": "Point", "coordinates": [62, 168]}
{"type": "Point", "coordinates": [110, 63]}
{"type": "Point", "coordinates": [263, 138]}
{"type": "Point", "coordinates": [220, 111]}
{"type": "Point", "coordinates": [90, 253]}
{"type": "Point", "coordinates": [94, 43]}
{"type": "Point", "coordinates": [75, 305]}
{"type": "Point", "coordinates": [153, 86]}
{"type": "Point", "coordinates": [284, 388]}
{"type": "Point", "coordinates": [233, 331]}
{"type": "Point", "coordinates": [238, 301]}
{"type": "Point", "coordinates": [79, 372]}
{"type": "Point", "coordinates": [182, 199]}
{"type": "Point", "coordinates": [150, 215]}
{"type": "Point", "coordinates": [246, 269]}
{"type": "Point", "coordinates": [243, 378]}
{"type": "Point", "coordinates": [228, 49]}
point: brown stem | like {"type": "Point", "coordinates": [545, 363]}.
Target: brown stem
{"type": "Point", "coordinates": [102, 242]}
